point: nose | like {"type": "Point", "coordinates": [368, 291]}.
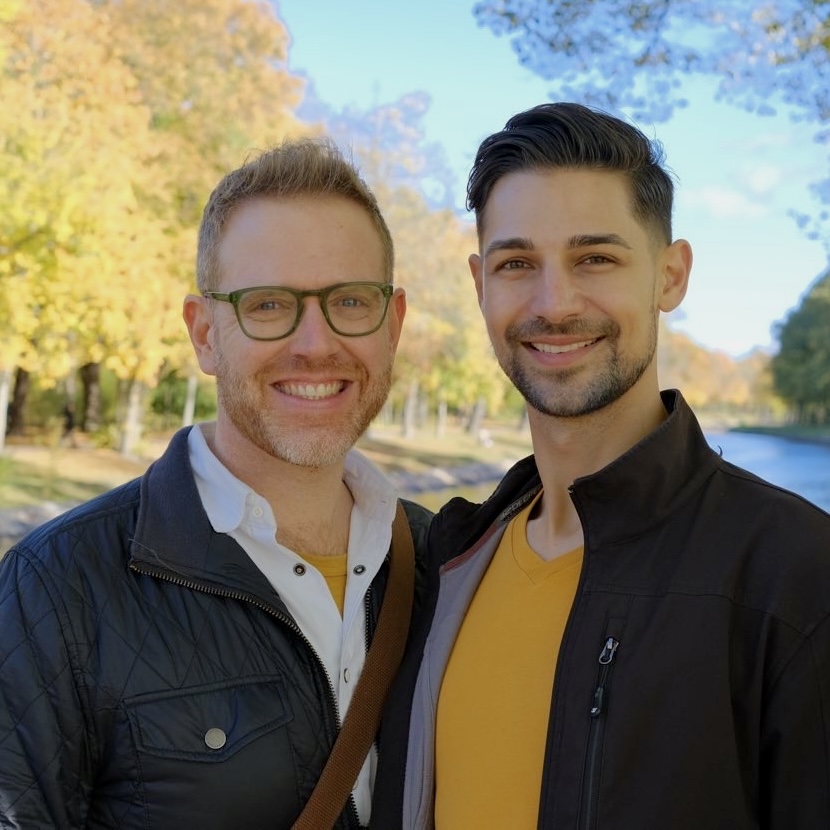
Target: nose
{"type": "Point", "coordinates": [556, 294]}
{"type": "Point", "coordinates": [313, 336]}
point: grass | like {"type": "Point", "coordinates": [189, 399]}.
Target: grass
{"type": "Point", "coordinates": [36, 473]}
{"type": "Point", "coordinates": [33, 473]}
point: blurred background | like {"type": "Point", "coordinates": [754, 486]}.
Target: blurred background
{"type": "Point", "coordinates": [119, 116]}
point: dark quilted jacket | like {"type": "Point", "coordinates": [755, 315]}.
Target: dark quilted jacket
{"type": "Point", "coordinates": [150, 677]}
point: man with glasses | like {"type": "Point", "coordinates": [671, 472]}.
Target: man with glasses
{"type": "Point", "coordinates": [180, 651]}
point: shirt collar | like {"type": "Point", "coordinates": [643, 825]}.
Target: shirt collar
{"type": "Point", "coordinates": [225, 497]}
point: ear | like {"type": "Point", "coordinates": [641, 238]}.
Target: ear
{"type": "Point", "coordinates": [396, 313]}
{"type": "Point", "coordinates": [676, 265]}
{"type": "Point", "coordinates": [474, 261]}
{"type": "Point", "coordinates": [199, 320]}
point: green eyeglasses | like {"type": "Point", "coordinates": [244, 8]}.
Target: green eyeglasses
{"type": "Point", "coordinates": [351, 309]}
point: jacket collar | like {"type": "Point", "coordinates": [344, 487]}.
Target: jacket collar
{"type": "Point", "coordinates": [631, 494]}
{"type": "Point", "coordinates": [173, 533]}
{"type": "Point", "coordinates": [642, 487]}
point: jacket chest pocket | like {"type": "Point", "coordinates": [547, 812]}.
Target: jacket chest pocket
{"type": "Point", "coordinates": [214, 756]}
{"type": "Point", "coordinates": [207, 723]}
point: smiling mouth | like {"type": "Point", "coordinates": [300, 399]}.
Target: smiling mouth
{"type": "Point", "coordinates": [312, 391]}
{"type": "Point", "coordinates": [549, 348]}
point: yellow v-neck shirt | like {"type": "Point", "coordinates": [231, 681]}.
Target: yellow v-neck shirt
{"type": "Point", "coordinates": [495, 699]}
{"type": "Point", "coordinates": [333, 569]}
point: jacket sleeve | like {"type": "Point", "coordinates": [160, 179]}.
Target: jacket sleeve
{"type": "Point", "coordinates": [795, 760]}
{"type": "Point", "coordinates": [42, 726]}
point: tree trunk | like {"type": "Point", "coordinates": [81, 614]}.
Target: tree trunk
{"type": "Point", "coordinates": [189, 411]}
{"type": "Point", "coordinates": [131, 426]}
{"type": "Point", "coordinates": [410, 410]}
{"type": "Point", "coordinates": [477, 417]}
{"type": "Point", "coordinates": [17, 407]}
{"type": "Point", "coordinates": [441, 421]}
{"type": "Point", "coordinates": [70, 414]}
{"type": "Point", "coordinates": [5, 388]}
{"type": "Point", "coordinates": [91, 380]}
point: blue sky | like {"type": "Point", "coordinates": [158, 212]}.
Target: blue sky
{"type": "Point", "coordinates": [738, 174]}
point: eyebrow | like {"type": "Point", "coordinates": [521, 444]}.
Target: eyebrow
{"type": "Point", "coordinates": [512, 243]}
{"type": "Point", "coordinates": [587, 239]}
{"type": "Point", "coordinates": [523, 243]}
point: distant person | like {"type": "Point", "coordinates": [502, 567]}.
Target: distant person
{"type": "Point", "coordinates": [179, 652]}
{"type": "Point", "coordinates": [631, 633]}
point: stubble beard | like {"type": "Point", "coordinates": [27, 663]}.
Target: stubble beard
{"type": "Point", "coordinates": [308, 443]}
{"type": "Point", "coordinates": [560, 393]}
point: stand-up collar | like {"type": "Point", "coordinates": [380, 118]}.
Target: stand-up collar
{"type": "Point", "coordinates": [625, 498]}
{"type": "Point", "coordinates": [643, 486]}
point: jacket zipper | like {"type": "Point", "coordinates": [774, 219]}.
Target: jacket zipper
{"type": "Point", "coordinates": [287, 621]}
{"type": "Point", "coordinates": [590, 794]}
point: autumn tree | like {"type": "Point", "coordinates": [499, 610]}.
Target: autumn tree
{"type": "Point", "coordinates": [214, 97]}
{"type": "Point", "coordinates": [444, 357]}
{"type": "Point", "coordinates": [713, 381]}
{"type": "Point", "coordinates": [75, 145]}
{"type": "Point", "coordinates": [444, 348]}
{"type": "Point", "coordinates": [116, 129]}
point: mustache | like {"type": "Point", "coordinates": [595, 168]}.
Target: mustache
{"type": "Point", "coordinates": [296, 363]}
{"type": "Point", "coordinates": [589, 329]}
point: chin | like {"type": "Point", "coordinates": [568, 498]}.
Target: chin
{"type": "Point", "coordinates": [314, 456]}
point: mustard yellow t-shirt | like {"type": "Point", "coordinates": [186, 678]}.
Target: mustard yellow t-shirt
{"type": "Point", "coordinates": [333, 569]}
{"type": "Point", "coordinates": [495, 699]}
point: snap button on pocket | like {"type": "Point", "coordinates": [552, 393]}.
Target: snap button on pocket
{"type": "Point", "coordinates": [215, 738]}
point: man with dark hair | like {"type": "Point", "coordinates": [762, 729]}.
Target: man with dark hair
{"type": "Point", "coordinates": [179, 652]}
{"type": "Point", "coordinates": [631, 632]}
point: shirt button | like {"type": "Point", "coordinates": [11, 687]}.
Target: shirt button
{"type": "Point", "coordinates": [359, 569]}
{"type": "Point", "coordinates": [346, 675]}
{"type": "Point", "coordinates": [215, 738]}
{"type": "Point", "coordinates": [299, 569]}
{"type": "Point", "coordinates": [257, 511]}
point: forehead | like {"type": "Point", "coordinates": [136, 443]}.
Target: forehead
{"type": "Point", "coordinates": [300, 241]}
{"type": "Point", "coordinates": [561, 202]}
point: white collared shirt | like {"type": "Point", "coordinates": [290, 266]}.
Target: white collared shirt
{"type": "Point", "coordinates": [234, 508]}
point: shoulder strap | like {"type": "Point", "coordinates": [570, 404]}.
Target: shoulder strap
{"type": "Point", "coordinates": [363, 715]}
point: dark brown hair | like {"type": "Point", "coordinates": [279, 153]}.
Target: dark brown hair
{"type": "Point", "coordinates": [566, 135]}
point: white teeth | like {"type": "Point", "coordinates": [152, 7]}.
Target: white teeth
{"type": "Point", "coordinates": [312, 391]}
{"type": "Point", "coordinates": [571, 347]}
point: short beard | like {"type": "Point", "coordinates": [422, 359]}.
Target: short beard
{"type": "Point", "coordinates": [558, 393]}
{"type": "Point", "coordinates": [309, 444]}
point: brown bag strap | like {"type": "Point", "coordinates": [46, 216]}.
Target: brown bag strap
{"type": "Point", "coordinates": [363, 715]}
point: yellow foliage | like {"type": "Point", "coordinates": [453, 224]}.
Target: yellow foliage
{"type": "Point", "coordinates": [113, 129]}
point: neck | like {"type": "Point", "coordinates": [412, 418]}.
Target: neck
{"type": "Point", "coordinates": [312, 506]}
{"type": "Point", "coordinates": [569, 448]}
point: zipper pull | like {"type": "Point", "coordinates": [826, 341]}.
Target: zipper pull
{"type": "Point", "coordinates": [606, 657]}
{"type": "Point", "coordinates": [608, 651]}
